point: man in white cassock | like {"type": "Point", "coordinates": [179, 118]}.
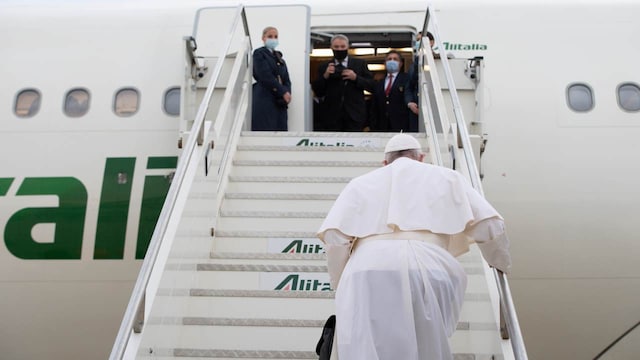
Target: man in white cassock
{"type": "Point", "coordinates": [400, 294]}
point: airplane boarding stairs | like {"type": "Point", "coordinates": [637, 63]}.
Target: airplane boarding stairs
{"type": "Point", "coordinates": [233, 270]}
{"type": "Point", "coordinates": [256, 285]}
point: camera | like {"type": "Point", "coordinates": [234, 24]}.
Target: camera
{"type": "Point", "coordinates": [338, 73]}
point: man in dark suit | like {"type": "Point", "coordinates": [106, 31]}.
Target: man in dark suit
{"type": "Point", "coordinates": [340, 85]}
{"type": "Point", "coordinates": [390, 111]}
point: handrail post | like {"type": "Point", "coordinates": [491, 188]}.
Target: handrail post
{"type": "Point", "coordinates": [200, 134]}
{"type": "Point", "coordinates": [504, 333]}
{"type": "Point", "coordinates": [511, 319]}
{"type": "Point", "coordinates": [139, 320]}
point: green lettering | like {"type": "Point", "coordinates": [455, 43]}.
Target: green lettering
{"type": "Point", "coordinates": [303, 142]}
{"type": "Point", "coordinates": [162, 162]}
{"type": "Point", "coordinates": [294, 247]}
{"type": "Point", "coordinates": [114, 208]}
{"type": "Point", "coordinates": [68, 218]}
{"type": "Point", "coordinates": [289, 283]}
{"type": "Point", "coordinates": [153, 196]}
{"type": "Point", "coordinates": [5, 184]}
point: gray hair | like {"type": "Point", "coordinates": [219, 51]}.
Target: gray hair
{"type": "Point", "coordinates": [410, 153]}
{"type": "Point", "coordinates": [340, 36]}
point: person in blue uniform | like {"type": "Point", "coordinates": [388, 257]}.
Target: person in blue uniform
{"type": "Point", "coordinates": [272, 90]}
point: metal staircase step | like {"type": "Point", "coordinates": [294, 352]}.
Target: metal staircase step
{"type": "Point", "coordinates": [291, 179]}
{"type": "Point", "coordinates": [289, 355]}
{"type": "Point", "coordinates": [303, 256]}
{"type": "Point", "coordinates": [261, 262]}
{"type": "Point", "coordinates": [280, 322]}
{"type": "Point", "coordinates": [266, 242]}
{"type": "Point", "coordinates": [290, 170]}
{"type": "Point", "coordinates": [267, 256]}
{"type": "Point", "coordinates": [312, 221]}
{"type": "Point", "coordinates": [313, 149]}
{"type": "Point", "coordinates": [274, 214]}
{"type": "Point", "coordinates": [275, 243]}
{"type": "Point", "coordinates": [292, 138]}
{"type": "Point", "coordinates": [296, 277]}
{"type": "Point", "coordinates": [473, 314]}
{"type": "Point", "coordinates": [275, 196]}
{"type": "Point", "coordinates": [244, 338]}
{"type": "Point", "coordinates": [468, 296]}
{"type": "Point", "coordinates": [288, 156]}
{"type": "Point", "coordinates": [223, 341]}
{"type": "Point", "coordinates": [286, 185]}
{"type": "Point", "coordinates": [242, 205]}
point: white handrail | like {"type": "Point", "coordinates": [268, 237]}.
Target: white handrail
{"type": "Point", "coordinates": [506, 300]}
{"type": "Point", "coordinates": [136, 302]}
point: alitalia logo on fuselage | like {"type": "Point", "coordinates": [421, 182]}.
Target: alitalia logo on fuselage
{"type": "Point", "coordinates": [464, 47]}
{"type": "Point", "coordinates": [295, 282]}
{"type": "Point", "coordinates": [69, 217]}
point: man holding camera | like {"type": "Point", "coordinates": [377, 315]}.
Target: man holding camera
{"type": "Point", "coordinates": [341, 84]}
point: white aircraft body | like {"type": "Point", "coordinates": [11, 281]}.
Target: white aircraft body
{"type": "Point", "coordinates": [81, 187]}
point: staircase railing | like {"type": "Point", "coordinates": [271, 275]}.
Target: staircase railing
{"type": "Point", "coordinates": [510, 328]}
{"type": "Point", "coordinates": [225, 130]}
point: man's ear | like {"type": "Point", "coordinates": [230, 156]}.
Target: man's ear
{"type": "Point", "coordinates": [385, 162]}
{"type": "Point", "coordinates": [421, 157]}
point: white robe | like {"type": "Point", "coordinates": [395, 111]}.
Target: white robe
{"type": "Point", "coordinates": [410, 195]}
{"type": "Point", "coordinates": [401, 299]}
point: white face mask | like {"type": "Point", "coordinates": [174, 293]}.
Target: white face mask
{"type": "Point", "coordinates": [271, 44]}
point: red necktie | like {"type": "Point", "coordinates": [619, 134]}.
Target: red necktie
{"type": "Point", "coordinates": [387, 90]}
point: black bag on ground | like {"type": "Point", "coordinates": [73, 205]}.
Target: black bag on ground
{"type": "Point", "coordinates": [323, 349]}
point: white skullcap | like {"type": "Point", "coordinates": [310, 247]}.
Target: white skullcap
{"type": "Point", "coordinates": [402, 142]}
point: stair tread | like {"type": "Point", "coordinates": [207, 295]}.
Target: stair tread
{"type": "Point", "coordinates": [242, 293]}
{"type": "Point", "coordinates": [291, 179]}
{"type": "Point", "coordinates": [372, 149]}
{"type": "Point", "coordinates": [250, 265]}
{"type": "Point", "coordinates": [311, 163]}
{"type": "Point", "coordinates": [281, 322]}
{"type": "Point", "coordinates": [227, 354]}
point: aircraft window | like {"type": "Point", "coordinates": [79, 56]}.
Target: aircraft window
{"type": "Point", "coordinates": [76, 102]}
{"type": "Point", "coordinates": [629, 97]}
{"type": "Point", "coordinates": [580, 97]}
{"type": "Point", "coordinates": [172, 101]}
{"type": "Point", "coordinates": [126, 102]}
{"type": "Point", "coordinates": [27, 103]}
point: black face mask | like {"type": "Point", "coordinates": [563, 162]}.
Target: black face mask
{"type": "Point", "coordinates": [339, 54]}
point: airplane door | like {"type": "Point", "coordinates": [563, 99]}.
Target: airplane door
{"type": "Point", "coordinates": [292, 22]}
